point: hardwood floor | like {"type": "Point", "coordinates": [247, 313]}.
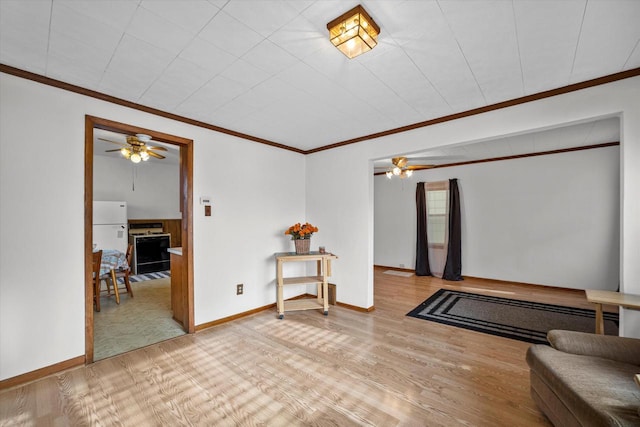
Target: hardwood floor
{"type": "Point", "coordinates": [349, 368]}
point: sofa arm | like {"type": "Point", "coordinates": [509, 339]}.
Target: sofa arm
{"type": "Point", "coordinates": [620, 349]}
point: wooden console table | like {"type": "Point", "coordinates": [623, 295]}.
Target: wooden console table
{"type": "Point", "coordinates": [610, 298]}
{"type": "Point", "coordinates": [323, 271]}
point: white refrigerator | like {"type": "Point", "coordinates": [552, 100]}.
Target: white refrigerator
{"type": "Point", "coordinates": [110, 225]}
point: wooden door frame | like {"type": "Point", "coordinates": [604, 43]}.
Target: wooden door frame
{"type": "Point", "coordinates": [186, 204]}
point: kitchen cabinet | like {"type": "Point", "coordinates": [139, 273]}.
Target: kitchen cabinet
{"type": "Point", "coordinates": [178, 285]}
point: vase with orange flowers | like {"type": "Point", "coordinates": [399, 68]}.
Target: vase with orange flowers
{"type": "Point", "coordinates": [301, 236]}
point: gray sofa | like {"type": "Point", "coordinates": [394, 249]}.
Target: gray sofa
{"type": "Point", "coordinates": [586, 379]}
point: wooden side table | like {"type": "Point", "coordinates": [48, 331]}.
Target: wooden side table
{"type": "Point", "coordinates": [323, 270]}
{"type": "Point", "coordinates": [610, 298]}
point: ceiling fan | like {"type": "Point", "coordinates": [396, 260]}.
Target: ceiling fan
{"type": "Point", "coordinates": [136, 148]}
{"type": "Point", "coordinates": [402, 169]}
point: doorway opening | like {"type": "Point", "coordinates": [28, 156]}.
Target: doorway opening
{"type": "Point", "coordinates": [185, 289]}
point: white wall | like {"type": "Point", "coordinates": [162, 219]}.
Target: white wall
{"type": "Point", "coordinates": [551, 220]}
{"type": "Point", "coordinates": [394, 218]}
{"type": "Point", "coordinates": [343, 179]}
{"type": "Point", "coordinates": [256, 194]}
{"type": "Point", "coordinates": [340, 203]}
{"type": "Point", "coordinates": [155, 195]}
{"type": "Point", "coordinates": [41, 206]}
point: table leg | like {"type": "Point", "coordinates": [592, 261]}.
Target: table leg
{"type": "Point", "coordinates": [599, 319]}
{"type": "Point", "coordinates": [325, 288]}
{"type": "Point", "coordinates": [114, 280]}
{"type": "Point", "coordinates": [319, 294]}
{"type": "Point", "coordinates": [279, 286]}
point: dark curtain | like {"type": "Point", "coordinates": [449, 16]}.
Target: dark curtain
{"type": "Point", "coordinates": [453, 266]}
{"type": "Point", "coordinates": [422, 255]}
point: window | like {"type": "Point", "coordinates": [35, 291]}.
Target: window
{"type": "Point", "coordinates": [437, 204]}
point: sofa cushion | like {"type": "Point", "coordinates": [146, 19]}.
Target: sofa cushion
{"type": "Point", "coordinates": [597, 391]}
{"type": "Point", "coordinates": [621, 349]}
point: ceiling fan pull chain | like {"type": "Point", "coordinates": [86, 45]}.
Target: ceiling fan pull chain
{"type": "Point", "coordinates": [133, 177]}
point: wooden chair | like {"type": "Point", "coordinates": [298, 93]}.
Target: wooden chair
{"type": "Point", "coordinates": [122, 274]}
{"type": "Point", "coordinates": [97, 260]}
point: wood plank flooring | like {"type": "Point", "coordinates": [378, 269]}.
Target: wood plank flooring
{"type": "Point", "coordinates": [349, 368]}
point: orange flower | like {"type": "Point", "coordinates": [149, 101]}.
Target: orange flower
{"type": "Point", "coordinates": [301, 231]}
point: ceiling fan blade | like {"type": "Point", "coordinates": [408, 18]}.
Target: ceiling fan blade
{"type": "Point", "coordinates": [156, 148]}
{"type": "Point", "coordinates": [108, 140]}
{"type": "Point", "coordinates": [156, 155]}
{"type": "Point", "coordinates": [418, 167]}
{"type": "Point", "coordinates": [434, 158]}
{"type": "Point", "coordinates": [112, 151]}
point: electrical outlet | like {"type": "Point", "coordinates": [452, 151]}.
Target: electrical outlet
{"type": "Point", "coordinates": [239, 289]}
{"type": "Point", "coordinates": [401, 265]}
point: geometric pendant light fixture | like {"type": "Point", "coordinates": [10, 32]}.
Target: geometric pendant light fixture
{"type": "Point", "coordinates": [354, 32]}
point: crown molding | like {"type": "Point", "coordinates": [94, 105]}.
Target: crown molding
{"type": "Point", "coordinates": [505, 104]}
{"type": "Point", "coordinates": [119, 101]}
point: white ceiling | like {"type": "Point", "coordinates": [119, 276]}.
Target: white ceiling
{"type": "Point", "coordinates": [267, 69]}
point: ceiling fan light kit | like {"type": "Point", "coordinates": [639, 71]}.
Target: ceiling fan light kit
{"type": "Point", "coordinates": [354, 32]}
{"type": "Point", "coordinates": [402, 174]}
{"type": "Point", "coordinates": [400, 168]}
{"type": "Point", "coordinates": [135, 157]}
